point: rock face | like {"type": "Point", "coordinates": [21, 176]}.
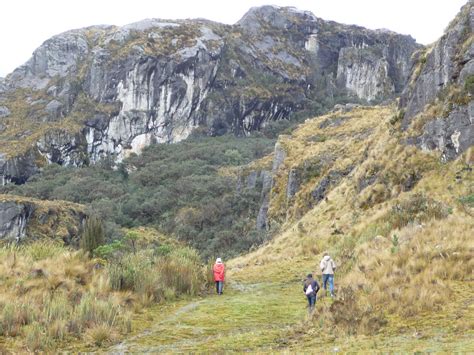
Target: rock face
{"type": "Point", "coordinates": [451, 135]}
{"type": "Point", "coordinates": [110, 91]}
{"type": "Point", "coordinates": [28, 219]}
{"type": "Point", "coordinates": [441, 77]}
{"type": "Point", "coordinates": [17, 169]}
{"type": "Point", "coordinates": [13, 218]}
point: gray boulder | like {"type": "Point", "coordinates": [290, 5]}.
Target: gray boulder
{"type": "Point", "coordinates": [24, 219]}
{"type": "Point", "coordinates": [4, 111]}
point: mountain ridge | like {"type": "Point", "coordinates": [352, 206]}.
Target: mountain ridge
{"type": "Point", "coordinates": [114, 90]}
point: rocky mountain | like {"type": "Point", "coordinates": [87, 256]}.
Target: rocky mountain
{"type": "Point", "coordinates": [109, 91]}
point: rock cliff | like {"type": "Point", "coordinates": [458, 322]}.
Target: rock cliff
{"type": "Point", "coordinates": [109, 91]}
{"type": "Point", "coordinates": [439, 96]}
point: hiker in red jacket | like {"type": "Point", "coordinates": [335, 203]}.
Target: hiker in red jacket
{"type": "Point", "coordinates": [219, 274]}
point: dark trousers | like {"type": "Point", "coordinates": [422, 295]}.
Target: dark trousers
{"type": "Point", "coordinates": [219, 287]}
{"type": "Point", "coordinates": [311, 300]}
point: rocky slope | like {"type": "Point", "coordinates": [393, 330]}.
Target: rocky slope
{"type": "Point", "coordinates": [105, 90]}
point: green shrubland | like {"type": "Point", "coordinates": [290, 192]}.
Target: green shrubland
{"type": "Point", "coordinates": [181, 189]}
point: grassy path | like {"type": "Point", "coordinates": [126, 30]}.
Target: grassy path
{"type": "Point", "coordinates": [261, 317]}
{"type": "Point", "coordinates": [247, 316]}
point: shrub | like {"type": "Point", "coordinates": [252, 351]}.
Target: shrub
{"type": "Point", "coordinates": [100, 335]}
{"type": "Point", "coordinates": [348, 315]}
{"type": "Point", "coordinates": [418, 208]}
{"type": "Point", "coordinates": [56, 308]}
{"type": "Point", "coordinates": [93, 236]}
{"type": "Point", "coordinates": [154, 275]}
{"type": "Point", "coordinates": [92, 311]}
{"type": "Point", "coordinates": [182, 271]}
{"type": "Point", "coordinates": [9, 325]}
{"type": "Point", "coordinates": [467, 200]}
{"type": "Point", "coordinates": [108, 251]}
{"type": "Point", "coordinates": [58, 330]}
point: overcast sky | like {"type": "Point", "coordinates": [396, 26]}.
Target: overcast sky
{"type": "Point", "coordinates": [25, 24]}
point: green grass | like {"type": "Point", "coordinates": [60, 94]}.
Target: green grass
{"type": "Point", "coordinates": [246, 317]}
{"type": "Point", "coordinates": [268, 316]}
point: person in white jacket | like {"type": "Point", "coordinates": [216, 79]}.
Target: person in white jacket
{"type": "Point", "coordinates": [328, 266]}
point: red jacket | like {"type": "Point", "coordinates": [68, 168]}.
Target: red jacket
{"type": "Point", "coordinates": [219, 272]}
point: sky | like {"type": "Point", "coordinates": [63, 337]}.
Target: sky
{"type": "Point", "coordinates": [26, 24]}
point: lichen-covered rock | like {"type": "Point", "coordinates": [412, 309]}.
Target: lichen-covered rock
{"type": "Point", "coordinates": [365, 72]}
{"type": "Point", "coordinates": [58, 56]}
{"type": "Point", "coordinates": [293, 183]}
{"type": "Point", "coordinates": [451, 135]}
{"type": "Point", "coordinates": [441, 65]}
{"type": "Point", "coordinates": [279, 156]}
{"type": "Point", "coordinates": [24, 219]}
{"type": "Point", "coordinates": [17, 169]}
{"type": "Point", "coordinates": [262, 217]}
{"type": "Point", "coordinates": [13, 220]}
{"type": "Point", "coordinates": [60, 147]}
{"type": "Point", "coordinates": [442, 71]}
{"type": "Point", "coordinates": [3, 85]}
{"type": "Point", "coordinates": [331, 179]}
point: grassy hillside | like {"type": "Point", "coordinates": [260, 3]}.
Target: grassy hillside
{"type": "Point", "coordinates": [404, 250]}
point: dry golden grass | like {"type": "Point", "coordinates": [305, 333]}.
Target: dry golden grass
{"type": "Point", "coordinates": [404, 244]}
{"type": "Point", "coordinates": [61, 295]}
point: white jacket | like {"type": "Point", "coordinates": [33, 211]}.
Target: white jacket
{"type": "Point", "coordinates": [327, 265]}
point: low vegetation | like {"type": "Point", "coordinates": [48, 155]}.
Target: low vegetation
{"type": "Point", "coordinates": [51, 295]}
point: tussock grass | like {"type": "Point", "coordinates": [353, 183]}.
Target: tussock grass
{"type": "Point", "coordinates": [403, 242]}
{"type": "Point", "coordinates": [61, 295]}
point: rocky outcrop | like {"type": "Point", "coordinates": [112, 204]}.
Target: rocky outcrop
{"type": "Point", "coordinates": [4, 112]}
{"type": "Point", "coordinates": [293, 183]}
{"type": "Point", "coordinates": [365, 72]}
{"type": "Point", "coordinates": [441, 78]}
{"type": "Point", "coordinates": [262, 217]}
{"type": "Point", "coordinates": [3, 85]}
{"type": "Point", "coordinates": [451, 135]}
{"type": "Point", "coordinates": [24, 219]}
{"type": "Point", "coordinates": [330, 180]}
{"type": "Point", "coordinates": [113, 90]}
{"type": "Point", "coordinates": [17, 169]}
{"type": "Point", "coordinates": [13, 220]}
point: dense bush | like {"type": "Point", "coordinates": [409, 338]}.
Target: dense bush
{"type": "Point", "coordinates": [176, 188]}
